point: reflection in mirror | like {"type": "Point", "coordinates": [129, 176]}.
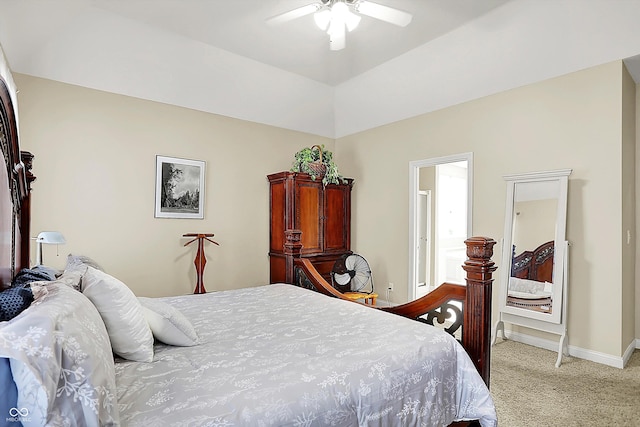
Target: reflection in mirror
{"type": "Point", "coordinates": [534, 225]}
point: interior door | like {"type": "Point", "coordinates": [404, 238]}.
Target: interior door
{"type": "Point", "coordinates": [424, 243]}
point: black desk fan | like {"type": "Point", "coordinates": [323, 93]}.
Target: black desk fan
{"type": "Point", "coordinates": [351, 273]}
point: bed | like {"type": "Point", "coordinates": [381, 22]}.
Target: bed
{"type": "Point", "coordinates": [86, 351]}
{"type": "Point", "coordinates": [530, 281]}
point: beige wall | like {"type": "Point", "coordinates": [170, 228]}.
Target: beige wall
{"type": "Point", "coordinates": [95, 163]}
{"type": "Point", "coordinates": [637, 227]}
{"type": "Point", "coordinates": [628, 178]}
{"type": "Point", "coordinates": [572, 121]}
{"type": "Point", "coordinates": [534, 223]}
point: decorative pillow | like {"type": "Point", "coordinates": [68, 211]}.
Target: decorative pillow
{"type": "Point", "coordinates": [74, 261]}
{"type": "Point", "coordinates": [168, 324]}
{"type": "Point", "coordinates": [122, 314]}
{"type": "Point", "coordinates": [73, 277]}
{"type": "Point", "coordinates": [61, 361]}
{"type": "Point", "coordinates": [14, 301]}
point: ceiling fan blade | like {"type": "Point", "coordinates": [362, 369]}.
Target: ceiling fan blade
{"type": "Point", "coordinates": [384, 13]}
{"type": "Point", "coordinates": [294, 14]}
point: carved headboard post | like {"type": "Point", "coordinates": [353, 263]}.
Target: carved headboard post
{"type": "Point", "coordinates": [25, 217]}
{"type": "Point", "coordinates": [476, 334]}
{"type": "Point", "coordinates": [292, 249]}
{"type": "Point", "coordinates": [15, 183]}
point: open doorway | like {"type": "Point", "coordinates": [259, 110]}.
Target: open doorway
{"type": "Point", "coordinates": [440, 221]}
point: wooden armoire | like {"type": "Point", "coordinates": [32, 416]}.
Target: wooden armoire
{"type": "Point", "coordinates": [321, 213]}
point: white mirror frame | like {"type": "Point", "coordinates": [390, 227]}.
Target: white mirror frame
{"type": "Point", "coordinates": [414, 174]}
{"type": "Point", "coordinates": [559, 287]}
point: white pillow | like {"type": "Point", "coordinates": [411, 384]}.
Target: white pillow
{"type": "Point", "coordinates": [525, 285]}
{"type": "Point", "coordinates": [168, 324]}
{"type": "Point", "coordinates": [122, 314]}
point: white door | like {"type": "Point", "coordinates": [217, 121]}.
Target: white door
{"type": "Point", "coordinates": [423, 264]}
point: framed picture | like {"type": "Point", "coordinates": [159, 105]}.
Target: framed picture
{"type": "Point", "coordinates": [179, 188]}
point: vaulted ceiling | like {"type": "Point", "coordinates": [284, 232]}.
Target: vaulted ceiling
{"type": "Point", "coordinates": [221, 56]}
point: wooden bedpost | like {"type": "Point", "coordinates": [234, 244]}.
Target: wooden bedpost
{"type": "Point", "coordinates": [476, 333]}
{"type": "Point", "coordinates": [292, 248]}
{"type": "Point", "coordinates": [25, 211]}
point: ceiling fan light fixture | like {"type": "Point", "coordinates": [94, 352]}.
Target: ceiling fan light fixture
{"type": "Point", "coordinates": [336, 17]}
{"type": "Point", "coordinates": [351, 21]}
{"type": "Point", "coordinates": [337, 36]}
{"type": "Point", "coordinates": [341, 13]}
{"type": "Point", "coordinates": [323, 18]}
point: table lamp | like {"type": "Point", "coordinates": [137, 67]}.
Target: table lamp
{"type": "Point", "coordinates": [49, 238]}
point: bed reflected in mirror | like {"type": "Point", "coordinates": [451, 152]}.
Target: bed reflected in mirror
{"type": "Point", "coordinates": [532, 250]}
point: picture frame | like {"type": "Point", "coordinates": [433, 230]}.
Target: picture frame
{"type": "Point", "coordinates": [179, 188]}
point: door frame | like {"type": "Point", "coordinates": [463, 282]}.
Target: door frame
{"type": "Point", "coordinates": [414, 175]}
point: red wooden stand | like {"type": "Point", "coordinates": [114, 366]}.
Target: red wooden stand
{"type": "Point", "coordinates": [200, 260]}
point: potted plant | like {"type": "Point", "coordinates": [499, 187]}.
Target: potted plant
{"type": "Point", "coordinates": [317, 162]}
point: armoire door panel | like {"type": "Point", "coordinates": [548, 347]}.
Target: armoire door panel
{"type": "Point", "coordinates": [336, 219]}
{"type": "Point", "coordinates": [309, 216]}
{"type": "Point", "coordinates": [277, 201]}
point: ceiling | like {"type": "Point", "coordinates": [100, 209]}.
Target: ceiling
{"type": "Point", "coordinates": [220, 56]}
{"type": "Point", "coordinates": [239, 26]}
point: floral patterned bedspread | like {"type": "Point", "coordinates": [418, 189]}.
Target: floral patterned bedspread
{"type": "Point", "coordinates": [279, 355]}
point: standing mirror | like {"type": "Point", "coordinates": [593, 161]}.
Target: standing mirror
{"type": "Point", "coordinates": [533, 291]}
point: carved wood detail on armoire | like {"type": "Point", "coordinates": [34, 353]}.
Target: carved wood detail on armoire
{"type": "Point", "coordinates": [322, 213]}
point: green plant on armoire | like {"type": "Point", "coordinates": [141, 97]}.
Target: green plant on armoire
{"type": "Point", "coordinates": [317, 162]}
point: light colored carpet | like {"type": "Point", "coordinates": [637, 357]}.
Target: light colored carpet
{"type": "Point", "coordinates": [528, 390]}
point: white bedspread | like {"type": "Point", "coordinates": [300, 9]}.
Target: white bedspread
{"type": "Point", "coordinates": [279, 355]}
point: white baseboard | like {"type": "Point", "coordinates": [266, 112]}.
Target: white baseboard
{"type": "Point", "coordinates": [581, 353]}
{"type": "Point", "coordinates": [384, 302]}
{"type": "Point", "coordinates": [628, 352]}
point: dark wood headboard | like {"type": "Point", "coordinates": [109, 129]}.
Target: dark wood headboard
{"type": "Point", "coordinates": [534, 265]}
{"type": "Point", "coordinates": [15, 187]}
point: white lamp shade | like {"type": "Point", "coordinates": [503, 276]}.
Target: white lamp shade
{"type": "Point", "coordinates": [51, 238]}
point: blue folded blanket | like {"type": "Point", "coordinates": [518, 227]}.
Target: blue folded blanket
{"type": "Point", "coordinates": [18, 297]}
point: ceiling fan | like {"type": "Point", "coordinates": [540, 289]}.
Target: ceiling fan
{"type": "Point", "coordinates": [336, 17]}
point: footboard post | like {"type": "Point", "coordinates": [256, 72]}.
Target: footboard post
{"type": "Point", "coordinates": [292, 248]}
{"type": "Point", "coordinates": [476, 333]}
